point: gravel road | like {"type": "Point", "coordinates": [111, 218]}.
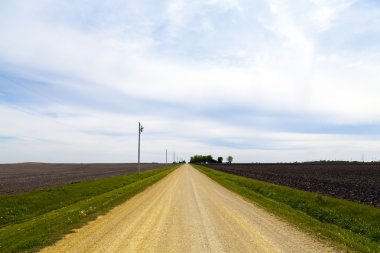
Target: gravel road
{"type": "Point", "coordinates": [188, 212]}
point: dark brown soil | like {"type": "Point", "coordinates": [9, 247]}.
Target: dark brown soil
{"type": "Point", "coordinates": [23, 177]}
{"type": "Point", "coordinates": [359, 182]}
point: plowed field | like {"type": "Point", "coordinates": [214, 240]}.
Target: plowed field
{"type": "Point", "coordinates": [23, 177]}
{"type": "Point", "coordinates": [358, 182]}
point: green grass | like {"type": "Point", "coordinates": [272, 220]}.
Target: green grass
{"type": "Point", "coordinates": [347, 225]}
{"type": "Point", "coordinates": [33, 220]}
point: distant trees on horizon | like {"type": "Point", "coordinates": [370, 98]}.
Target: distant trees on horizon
{"type": "Point", "coordinates": [209, 159]}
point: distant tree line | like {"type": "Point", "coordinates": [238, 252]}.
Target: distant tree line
{"type": "Point", "coordinates": [209, 159]}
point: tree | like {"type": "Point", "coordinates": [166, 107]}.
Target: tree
{"type": "Point", "coordinates": [202, 159]}
{"type": "Point", "coordinates": [229, 159]}
{"type": "Point", "coordinates": [220, 159]}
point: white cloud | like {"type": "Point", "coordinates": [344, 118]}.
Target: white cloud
{"type": "Point", "coordinates": [327, 12]}
{"type": "Point", "coordinates": [274, 8]}
{"type": "Point", "coordinates": [346, 90]}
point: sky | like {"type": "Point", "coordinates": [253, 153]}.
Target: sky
{"type": "Point", "coordinates": [262, 81]}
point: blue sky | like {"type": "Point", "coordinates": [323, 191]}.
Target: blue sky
{"type": "Point", "coordinates": [258, 80]}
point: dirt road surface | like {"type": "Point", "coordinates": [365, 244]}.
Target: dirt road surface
{"type": "Point", "coordinates": [188, 212]}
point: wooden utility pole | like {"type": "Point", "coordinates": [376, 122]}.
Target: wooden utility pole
{"type": "Point", "coordinates": [141, 128]}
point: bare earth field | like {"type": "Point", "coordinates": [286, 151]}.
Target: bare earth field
{"type": "Point", "coordinates": [358, 182]}
{"type": "Point", "coordinates": [23, 177]}
{"type": "Point", "coordinates": [187, 212]}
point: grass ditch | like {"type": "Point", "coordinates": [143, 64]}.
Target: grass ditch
{"type": "Point", "coordinates": [37, 219]}
{"type": "Point", "coordinates": [347, 225]}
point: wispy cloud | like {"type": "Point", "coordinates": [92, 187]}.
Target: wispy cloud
{"type": "Point", "coordinates": [262, 80]}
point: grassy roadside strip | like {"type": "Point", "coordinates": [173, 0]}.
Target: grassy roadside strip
{"type": "Point", "coordinates": [347, 225]}
{"type": "Point", "coordinates": [43, 230]}
{"type": "Point", "coordinates": [20, 207]}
